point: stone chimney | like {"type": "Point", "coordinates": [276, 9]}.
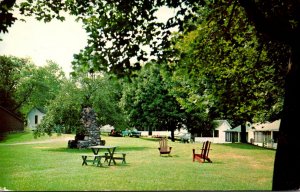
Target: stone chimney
{"type": "Point", "coordinates": [88, 120]}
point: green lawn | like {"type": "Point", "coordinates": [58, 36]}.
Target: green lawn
{"type": "Point", "coordinates": [52, 166]}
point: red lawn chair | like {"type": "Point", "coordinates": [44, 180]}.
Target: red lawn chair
{"type": "Point", "coordinates": [203, 156]}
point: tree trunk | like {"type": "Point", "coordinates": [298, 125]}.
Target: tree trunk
{"type": "Point", "coordinates": [172, 135]}
{"type": "Point", "coordinates": [286, 166]}
{"type": "Point", "coordinates": [243, 133]}
{"type": "Point", "coordinates": [150, 131]}
{"type": "Point", "coordinates": [287, 159]}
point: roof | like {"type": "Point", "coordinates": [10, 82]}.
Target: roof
{"type": "Point", "coordinates": [268, 126]}
{"type": "Point", "coordinates": [239, 128]}
{"type": "Point", "coordinates": [11, 113]}
{"type": "Point", "coordinates": [219, 123]}
{"type": "Point", "coordinates": [41, 109]}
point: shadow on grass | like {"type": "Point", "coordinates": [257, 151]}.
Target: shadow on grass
{"type": "Point", "coordinates": [64, 149]}
{"type": "Point", "coordinates": [171, 156]}
{"type": "Point", "coordinates": [128, 149]}
{"type": "Point", "coordinates": [246, 146]}
{"type": "Point", "coordinates": [121, 164]}
{"type": "Point", "coordinates": [100, 167]}
{"type": "Point", "coordinates": [150, 139]}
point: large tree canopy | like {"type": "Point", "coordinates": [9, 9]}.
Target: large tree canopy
{"type": "Point", "coordinates": [121, 33]}
{"type": "Point", "coordinates": [10, 71]}
{"type": "Point", "coordinates": [102, 93]}
{"type": "Point", "coordinates": [148, 103]}
{"type": "Point", "coordinates": [119, 29]}
{"type": "Point", "coordinates": [24, 85]}
{"type": "Point", "coordinates": [228, 72]}
{"type": "Point", "coordinates": [279, 20]}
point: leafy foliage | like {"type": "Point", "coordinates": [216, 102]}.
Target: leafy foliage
{"type": "Point", "coordinates": [38, 86]}
{"type": "Point", "coordinates": [102, 93]}
{"type": "Point", "coordinates": [10, 70]}
{"type": "Point", "coordinates": [63, 112]}
{"type": "Point", "coordinates": [126, 26]}
{"type": "Point", "coordinates": [6, 17]}
{"type": "Point", "coordinates": [23, 85]}
{"type": "Point", "coordinates": [148, 103]}
{"type": "Point", "coordinates": [120, 32]}
{"type": "Point", "coordinates": [227, 71]}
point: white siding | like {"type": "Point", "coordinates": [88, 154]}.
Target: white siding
{"type": "Point", "coordinates": [222, 135]}
{"type": "Point", "coordinates": [32, 116]}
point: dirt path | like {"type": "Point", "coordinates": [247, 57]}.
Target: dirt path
{"type": "Point", "coordinates": [40, 142]}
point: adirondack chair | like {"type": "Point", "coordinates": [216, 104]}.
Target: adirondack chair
{"type": "Point", "coordinates": [203, 156]}
{"type": "Point", "coordinates": [163, 146]}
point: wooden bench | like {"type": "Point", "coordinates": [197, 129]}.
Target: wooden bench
{"type": "Point", "coordinates": [118, 157]}
{"type": "Point", "coordinates": [96, 158]}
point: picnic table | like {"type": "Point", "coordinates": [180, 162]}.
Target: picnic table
{"type": "Point", "coordinates": [110, 150]}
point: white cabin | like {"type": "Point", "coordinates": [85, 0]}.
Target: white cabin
{"type": "Point", "coordinates": [34, 117]}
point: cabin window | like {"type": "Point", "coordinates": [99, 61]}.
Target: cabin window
{"type": "Point", "coordinates": [228, 137]}
{"type": "Point", "coordinates": [258, 137]}
{"type": "Point", "coordinates": [216, 133]}
{"type": "Point", "coordinates": [235, 137]}
{"type": "Point", "coordinates": [36, 119]}
{"type": "Point", "coordinates": [207, 133]}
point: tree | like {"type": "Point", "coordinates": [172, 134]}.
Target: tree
{"type": "Point", "coordinates": [196, 117]}
{"type": "Point", "coordinates": [38, 85]}
{"type": "Point", "coordinates": [148, 103]}
{"type": "Point", "coordinates": [63, 112]}
{"type": "Point", "coordinates": [24, 85]}
{"type": "Point", "coordinates": [279, 21]}
{"type": "Point", "coordinates": [102, 93]}
{"type": "Point", "coordinates": [227, 72]}
{"type": "Point", "coordinates": [11, 73]}
{"type": "Point", "coordinates": [119, 31]}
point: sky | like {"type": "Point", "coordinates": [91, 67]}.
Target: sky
{"type": "Point", "coordinates": [56, 40]}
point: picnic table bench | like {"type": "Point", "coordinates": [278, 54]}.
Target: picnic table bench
{"type": "Point", "coordinates": [120, 156]}
{"type": "Point", "coordinates": [96, 159]}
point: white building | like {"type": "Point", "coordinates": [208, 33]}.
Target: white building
{"type": "Point", "coordinates": [34, 117]}
{"type": "Point", "coordinates": [266, 134]}
{"type": "Point", "coordinates": [218, 134]}
{"type": "Point", "coordinates": [234, 135]}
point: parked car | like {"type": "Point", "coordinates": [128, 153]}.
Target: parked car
{"type": "Point", "coordinates": [135, 133]}
{"type": "Point", "coordinates": [183, 137]}
{"type": "Point", "coordinates": [106, 129]}
{"type": "Point", "coordinates": [131, 133]}
{"type": "Point", "coordinates": [115, 133]}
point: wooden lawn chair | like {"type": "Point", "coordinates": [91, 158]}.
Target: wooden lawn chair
{"type": "Point", "coordinates": [203, 156]}
{"type": "Point", "coordinates": [163, 146]}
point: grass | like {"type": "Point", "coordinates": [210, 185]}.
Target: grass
{"type": "Point", "coordinates": [52, 166]}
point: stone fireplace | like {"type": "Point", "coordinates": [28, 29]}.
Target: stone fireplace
{"type": "Point", "coordinates": [91, 135]}
{"type": "Point", "coordinates": [88, 120]}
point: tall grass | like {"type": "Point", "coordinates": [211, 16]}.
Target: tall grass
{"type": "Point", "coordinates": [52, 166]}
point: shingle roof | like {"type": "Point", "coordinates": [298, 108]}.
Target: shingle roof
{"type": "Point", "coordinates": [268, 126]}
